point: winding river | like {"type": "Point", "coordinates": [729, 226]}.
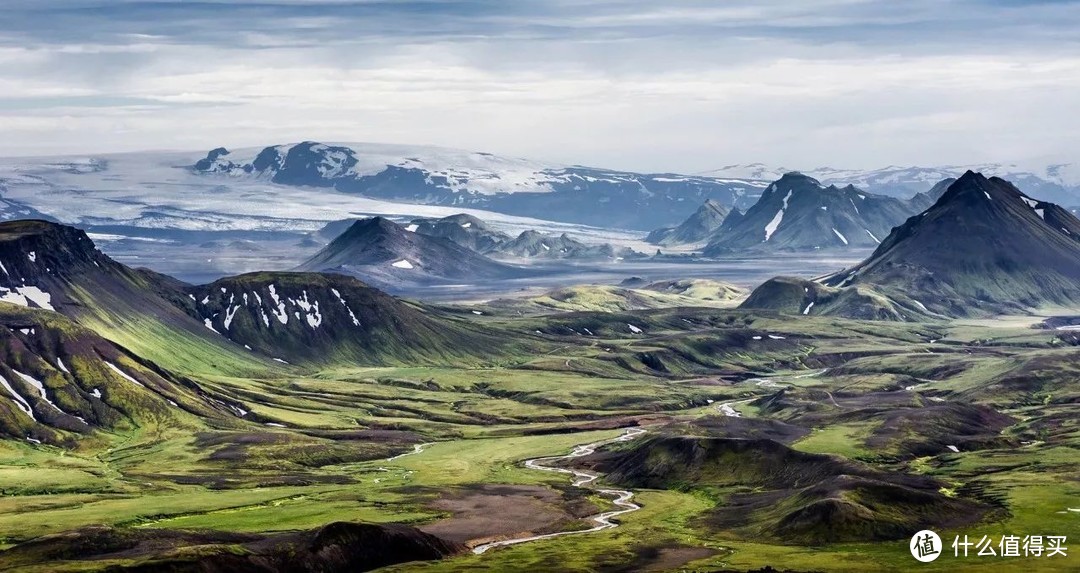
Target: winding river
{"type": "Point", "coordinates": [622, 499]}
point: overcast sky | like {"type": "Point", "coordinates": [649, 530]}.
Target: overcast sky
{"type": "Point", "coordinates": [671, 85]}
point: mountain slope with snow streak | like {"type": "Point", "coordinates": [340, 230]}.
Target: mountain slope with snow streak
{"type": "Point", "coordinates": [984, 248]}
{"type": "Point", "coordinates": [1057, 182]}
{"type": "Point", "coordinates": [328, 318]}
{"type": "Point", "coordinates": [797, 212]}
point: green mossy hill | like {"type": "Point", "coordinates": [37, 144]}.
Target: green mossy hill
{"type": "Point", "coordinates": [794, 497]}
{"type": "Point", "coordinates": [324, 318]}
{"type": "Point", "coordinates": [334, 547]}
{"type": "Point", "coordinates": [898, 423]}
{"type": "Point", "coordinates": [62, 381]}
{"type": "Point", "coordinates": [792, 295]}
{"type": "Point", "coordinates": [53, 266]}
{"type": "Point", "coordinates": [608, 298]}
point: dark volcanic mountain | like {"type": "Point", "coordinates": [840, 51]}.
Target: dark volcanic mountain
{"type": "Point", "coordinates": [315, 317]}
{"type": "Point", "coordinates": [466, 230]}
{"type": "Point", "coordinates": [984, 247]}
{"type": "Point", "coordinates": [56, 267]}
{"type": "Point", "coordinates": [799, 213]}
{"type": "Point", "coordinates": [59, 380]}
{"type": "Point", "coordinates": [698, 227]}
{"type": "Point", "coordinates": [354, 547]}
{"type": "Point", "coordinates": [536, 245]}
{"type": "Point", "coordinates": [926, 199]}
{"type": "Point", "coordinates": [387, 255]}
{"type": "Point", "coordinates": [785, 494]}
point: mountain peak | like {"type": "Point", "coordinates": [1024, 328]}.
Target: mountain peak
{"type": "Point", "coordinates": [376, 223]}
{"type": "Point", "coordinates": [466, 230]}
{"type": "Point", "coordinates": [983, 248]}
{"type": "Point", "coordinates": [14, 230]}
{"type": "Point", "coordinates": [793, 179]}
{"type": "Point", "coordinates": [714, 206]}
{"type": "Point", "coordinates": [971, 179]}
{"type": "Point", "coordinates": [798, 213]}
{"type": "Point", "coordinates": [698, 227]}
{"type": "Point", "coordinates": [387, 255]}
{"type": "Point", "coordinates": [975, 187]}
{"type": "Point", "coordinates": [31, 250]}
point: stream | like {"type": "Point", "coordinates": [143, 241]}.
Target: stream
{"type": "Point", "coordinates": [622, 499]}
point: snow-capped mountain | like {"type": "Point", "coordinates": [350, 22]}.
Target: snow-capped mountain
{"type": "Point", "coordinates": [433, 176]}
{"type": "Point", "coordinates": [798, 212]}
{"type": "Point", "coordinates": [310, 317]}
{"type": "Point", "coordinates": [983, 248]}
{"type": "Point", "coordinates": [153, 209]}
{"type": "Point", "coordinates": [1058, 182]}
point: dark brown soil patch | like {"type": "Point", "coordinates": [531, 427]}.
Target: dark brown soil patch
{"type": "Point", "coordinates": [489, 512]}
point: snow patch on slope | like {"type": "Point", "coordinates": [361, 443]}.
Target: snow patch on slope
{"type": "Point", "coordinates": [39, 386]}
{"type": "Point", "coordinates": [772, 226]}
{"type": "Point", "coordinates": [23, 295]}
{"type": "Point", "coordinates": [19, 400]}
{"type": "Point", "coordinates": [123, 374]}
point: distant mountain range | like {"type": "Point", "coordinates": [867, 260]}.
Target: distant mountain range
{"type": "Point", "coordinates": [536, 245]}
{"type": "Point", "coordinates": [797, 212]}
{"type": "Point", "coordinates": [476, 235]}
{"type": "Point", "coordinates": [299, 187]}
{"type": "Point", "coordinates": [1057, 182]}
{"type": "Point", "coordinates": [575, 194]}
{"type": "Point", "coordinates": [983, 248]}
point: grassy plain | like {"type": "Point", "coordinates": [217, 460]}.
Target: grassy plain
{"type": "Point", "coordinates": [315, 447]}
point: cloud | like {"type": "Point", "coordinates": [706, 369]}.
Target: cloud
{"type": "Point", "coordinates": [681, 85]}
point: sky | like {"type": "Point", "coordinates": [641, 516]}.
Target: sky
{"type": "Point", "coordinates": [677, 85]}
